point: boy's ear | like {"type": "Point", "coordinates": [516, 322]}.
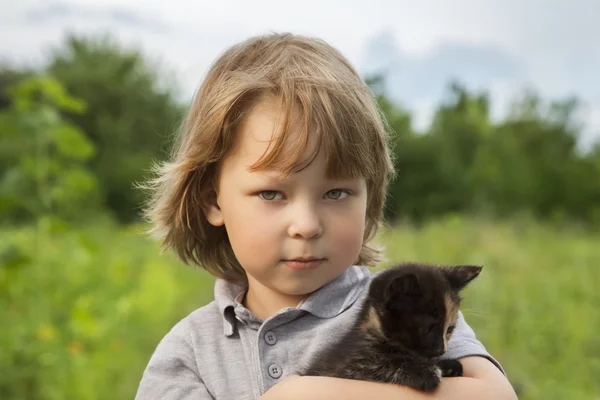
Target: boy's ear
{"type": "Point", "coordinates": [213, 212]}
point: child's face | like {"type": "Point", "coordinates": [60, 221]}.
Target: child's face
{"type": "Point", "coordinates": [271, 220]}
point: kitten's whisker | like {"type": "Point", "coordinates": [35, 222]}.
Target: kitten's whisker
{"type": "Point", "coordinates": [473, 312]}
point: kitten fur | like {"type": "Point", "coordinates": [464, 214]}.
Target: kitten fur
{"type": "Point", "coordinates": [404, 326]}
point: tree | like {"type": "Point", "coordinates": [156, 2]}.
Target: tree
{"type": "Point", "coordinates": [131, 114]}
{"type": "Point", "coordinates": [460, 126]}
{"type": "Point", "coordinates": [10, 76]}
{"type": "Point", "coordinates": [530, 161]}
{"type": "Point", "coordinates": [44, 171]}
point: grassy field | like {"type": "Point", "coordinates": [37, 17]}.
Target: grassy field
{"type": "Point", "coordinates": [82, 310]}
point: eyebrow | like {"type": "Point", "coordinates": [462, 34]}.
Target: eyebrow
{"type": "Point", "coordinates": [274, 177]}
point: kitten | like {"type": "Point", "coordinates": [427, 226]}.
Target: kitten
{"type": "Point", "coordinates": [404, 326]}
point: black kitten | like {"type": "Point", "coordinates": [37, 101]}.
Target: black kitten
{"type": "Point", "coordinates": [404, 326]}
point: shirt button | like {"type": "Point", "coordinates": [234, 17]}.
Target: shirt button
{"type": "Point", "coordinates": [270, 338]}
{"type": "Point", "coordinates": [275, 371]}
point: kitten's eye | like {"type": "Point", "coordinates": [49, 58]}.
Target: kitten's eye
{"type": "Point", "coordinates": [336, 194]}
{"type": "Point", "coordinates": [270, 195]}
{"type": "Point", "coordinates": [450, 329]}
{"type": "Point", "coordinates": [425, 330]}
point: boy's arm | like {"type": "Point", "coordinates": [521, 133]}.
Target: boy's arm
{"type": "Point", "coordinates": [481, 379]}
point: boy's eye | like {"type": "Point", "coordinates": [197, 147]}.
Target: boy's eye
{"type": "Point", "coordinates": [336, 194]}
{"type": "Point", "coordinates": [269, 195]}
{"type": "Point", "coordinates": [450, 330]}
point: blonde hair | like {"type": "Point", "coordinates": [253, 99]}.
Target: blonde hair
{"type": "Point", "coordinates": [300, 73]}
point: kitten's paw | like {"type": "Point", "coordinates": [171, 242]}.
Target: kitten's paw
{"type": "Point", "coordinates": [450, 368]}
{"type": "Point", "coordinates": [428, 380]}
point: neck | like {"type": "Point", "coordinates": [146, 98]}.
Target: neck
{"type": "Point", "coordinates": [265, 302]}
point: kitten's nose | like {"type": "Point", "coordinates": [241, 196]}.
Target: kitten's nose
{"type": "Point", "coordinates": [440, 349]}
{"type": "Point", "coordinates": [433, 352]}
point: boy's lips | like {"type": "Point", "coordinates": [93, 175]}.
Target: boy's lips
{"type": "Point", "coordinates": [303, 262]}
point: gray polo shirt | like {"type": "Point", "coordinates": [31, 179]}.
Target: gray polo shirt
{"type": "Point", "coordinates": [223, 351]}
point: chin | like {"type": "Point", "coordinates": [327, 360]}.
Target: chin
{"type": "Point", "coordinates": [301, 289]}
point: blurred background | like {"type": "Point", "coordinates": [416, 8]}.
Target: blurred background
{"type": "Point", "coordinates": [495, 112]}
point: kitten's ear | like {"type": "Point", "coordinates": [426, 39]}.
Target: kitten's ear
{"type": "Point", "coordinates": [459, 276]}
{"type": "Point", "coordinates": [404, 284]}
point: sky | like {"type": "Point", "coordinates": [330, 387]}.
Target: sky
{"type": "Point", "coordinates": [550, 45]}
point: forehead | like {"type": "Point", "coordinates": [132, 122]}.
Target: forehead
{"type": "Point", "coordinates": [265, 134]}
{"type": "Point", "coordinates": [283, 135]}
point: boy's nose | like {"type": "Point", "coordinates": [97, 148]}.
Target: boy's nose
{"type": "Point", "coordinates": [305, 223]}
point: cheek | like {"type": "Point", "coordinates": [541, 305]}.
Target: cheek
{"type": "Point", "coordinates": [251, 233]}
{"type": "Point", "coordinates": [347, 231]}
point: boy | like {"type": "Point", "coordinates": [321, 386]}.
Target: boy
{"type": "Point", "coordinates": [276, 186]}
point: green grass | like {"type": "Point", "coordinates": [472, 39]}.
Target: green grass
{"type": "Point", "coordinates": [82, 310]}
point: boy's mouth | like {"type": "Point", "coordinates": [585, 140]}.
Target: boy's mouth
{"type": "Point", "coordinates": [303, 263]}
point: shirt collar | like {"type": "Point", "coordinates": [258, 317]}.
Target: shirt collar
{"type": "Point", "coordinates": [327, 302]}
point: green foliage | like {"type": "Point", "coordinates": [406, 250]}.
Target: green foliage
{"type": "Point", "coordinates": [82, 310]}
{"type": "Point", "coordinates": [42, 170]}
{"type": "Point", "coordinates": [531, 162]}
{"type": "Point", "coordinates": [9, 77]}
{"type": "Point", "coordinates": [131, 114]}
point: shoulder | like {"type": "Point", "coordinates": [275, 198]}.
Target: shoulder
{"type": "Point", "coordinates": [186, 337]}
{"type": "Point", "coordinates": [205, 319]}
